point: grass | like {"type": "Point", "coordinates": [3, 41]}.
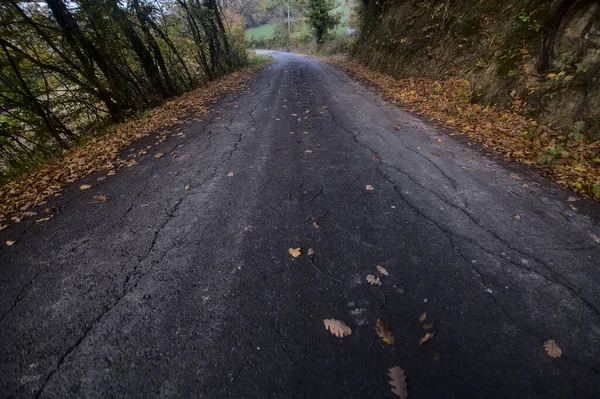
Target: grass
{"type": "Point", "coordinates": [261, 32]}
{"type": "Point", "coordinates": [257, 59]}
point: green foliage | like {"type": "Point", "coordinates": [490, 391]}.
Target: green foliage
{"type": "Point", "coordinates": [321, 17]}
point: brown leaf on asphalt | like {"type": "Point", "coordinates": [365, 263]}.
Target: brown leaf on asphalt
{"type": "Point", "coordinates": [435, 154]}
{"type": "Point", "coordinates": [315, 225]}
{"type": "Point", "coordinates": [398, 382]}
{"type": "Point", "coordinates": [423, 317]}
{"type": "Point", "coordinates": [295, 252]}
{"type": "Point", "coordinates": [382, 270]}
{"type": "Point", "coordinates": [384, 331]}
{"type": "Point", "coordinates": [42, 220]}
{"type": "Point", "coordinates": [397, 128]}
{"type": "Point", "coordinates": [552, 348]}
{"type": "Point", "coordinates": [436, 357]}
{"type": "Point", "coordinates": [131, 163]}
{"type": "Point", "coordinates": [517, 217]}
{"type": "Point", "coordinates": [230, 174]}
{"type": "Point", "coordinates": [159, 155]}
{"type": "Point", "coordinates": [572, 199]}
{"type": "Point", "coordinates": [310, 252]}
{"type": "Point", "coordinates": [3, 226]}
{"type": "Point", "coordinates": [369, 187]}
{"type": "Point", "coordinates": [426, 338]}
{"type": "Point", "coordinates": [308, 151]}
{"type": "Point", "coordinates": [337, 327]}
{"type": "Point", "coordinates": [101, 198]}
{"type": "Point", "coordinates": [188, 187]}
{"type": "Point", "coordinates": [10, 243]}
{"type": "Point", "coordinates": [84, 187]}
{"type": "Point", "coordinates": [440, 140]}
{"type": "Point", "coordinates": [428, 326]}
{"type": "Point", "coordinates": [371, 279]}
{"type": "Point", "coordinates": [515, 176]}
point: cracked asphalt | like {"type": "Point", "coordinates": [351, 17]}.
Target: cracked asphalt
{"type": "Point", "coordinates": [163, 291]}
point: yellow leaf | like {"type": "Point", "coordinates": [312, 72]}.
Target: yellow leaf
{"type": "Point", "coordinates": [10, 243]}
{"type": "Point", "coordinates": [384, 330]}
{"type": "Point", "coordinates": [426, 338]}
{"type": "Point", "coordinates": [337, 327]}
{"type": "Point", "coordinates": [398, 382]}
{"type": "Point", "coordinates": [84, 187]}
{"type": "Point", "coordinates": [160, 154]}
{"type": "Point", "coordinates": [42, 220]}
{"type": "Point", "coordinates": [295, 252]}
{"type": "Point", "coordinates": [552, 348]}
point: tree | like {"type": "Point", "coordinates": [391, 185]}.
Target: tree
{"type": "Point", "coordinates": [321, 17]}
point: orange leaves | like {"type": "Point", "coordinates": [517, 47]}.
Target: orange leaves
{"type": "Point", "coordinates": [102, 153]}
{"type": "Point", "coordinates": [572, 162]}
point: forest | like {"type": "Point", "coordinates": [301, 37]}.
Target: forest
{"type": "Point", "coordinates": [68, 69]}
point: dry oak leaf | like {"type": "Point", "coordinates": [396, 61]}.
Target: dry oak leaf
{"type": "Point", "coordinates": [295, 252]}
{"type": "Point", "coordinates": [552, 348]}
{"type": "Point", "coordinates": [84, 187]}
{"type": "Point", "coordinates": [373, 280]}
{"type": "Point", "coordinates": [398, 382]}
{"type": "Point", "coordinates": [337, 327]}
{"type": "Point", "coordinates": [384, 330]}
{"type": "Point", "coordinates": [382, 270]}
{"type": "Point", "coordinates": [426, 338]}
{"type": "Point", "coordinates": [423, 317]}
{"type": "Point", "coordinates": [10, 243]}
{"type": "Point", "coordinates": [369, 187]}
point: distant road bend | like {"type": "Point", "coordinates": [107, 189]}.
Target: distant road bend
{"type": "Point", "coordinates": [163, 291]}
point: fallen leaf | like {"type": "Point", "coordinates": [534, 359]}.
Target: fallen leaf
{"type": "Point", "coordinates": [337, 327]}
{"type": "Point", "coordinates": [310, 252]}
{"type": "Point", "coordinates": [398, 382]}
{"type": "Point", "coordinates": [428, 326]}
{"type": "Point", "coordinates": [517, 217]}
{"type": "Point", "coordinates": [131, 163]}
{"type": "Point", "coordinates": [369, 187]}
{"type": "Point", "coordinates": [384, 330]}
{"type": "Point", "coordinates": [315, 225]}
{"type": "Point", "coordinates": [308, 151]}
{"type": "Point", "coordinates": [188, 187]}
{"type": "Point", "coordinates": [295, 252]}
{"type": "Point", "coordinates": [84, 187]}
{"type": "Point", "coordinates": [355, 133]}
{"type": "Point", "coordinates": [515, 176]}
{"type": "Point", "coordinates": [426, 338]}
{"type": "Point", "coordinates": [572, 199]}
{"type": "Point", "coordinates": [382, 270]}
{"type": "Point", "coordinates": [101, 198]}
{"type": "Point", "coordinates": [3, 226]}
{"type": "Point", "coordinates": [436, 357]}
{"type": "Point", "coordinates": [423, 317]}
{"type": "Point", "coordinates": [440, 140]}
{"type": "Point", "coordinates": [435, 154]}
{"type": "Point", "coordinates": [552, 348]}
{"type": "Point", "coordinates": [10, 243]}
{"type": "Point", "coordinates": [42, 220]}
{"type": "Point", "coordinates": [230, 174]}
{"type": "Point", "coordinates": [158, 155]}
{"type": "Point", "coordinates": [373, 280]}
{"type": "Point", "coordinates": [292, 132]}
{"type": "Point", "coordinates": [397, 128]}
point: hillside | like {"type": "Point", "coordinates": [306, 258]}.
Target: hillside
{"type": "Point", "coordinates": [538, 57]}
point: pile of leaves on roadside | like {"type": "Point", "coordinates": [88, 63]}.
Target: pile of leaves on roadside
{"type": "Point", "coordinates": [102, 153]}
{"type": "Point", "coordinates": [571, 159]}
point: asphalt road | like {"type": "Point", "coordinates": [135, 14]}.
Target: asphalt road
{"type": "Point", "coordinates": [163, 291]}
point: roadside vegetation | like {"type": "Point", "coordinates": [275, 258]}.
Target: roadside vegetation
{"type": "Point", "coordinates": [310, 26]}
{"type": "Point", "coordinates": [68, 70]}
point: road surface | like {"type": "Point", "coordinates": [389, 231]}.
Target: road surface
{"type": "Point", "coordinates": [163, 291]}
